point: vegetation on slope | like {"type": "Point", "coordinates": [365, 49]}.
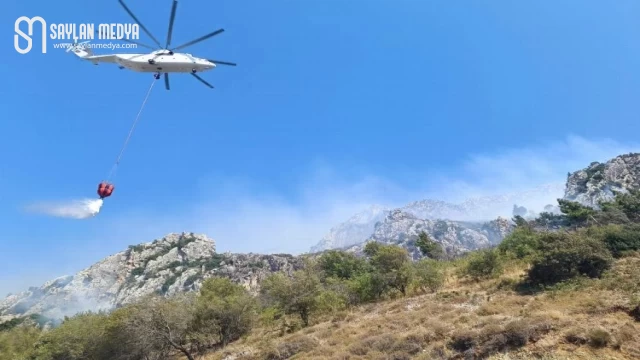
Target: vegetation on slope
{"type": "Point", "coordinates": [559, 287]}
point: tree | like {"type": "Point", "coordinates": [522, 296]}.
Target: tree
{"type": "Point", "coordinates": [371, 248]}
{"type": "Point", "coordinates": [576, 213]}
{"type": "Point", "coordinates": [226, 309]}
{"type": "Point", "coordinates": [520, 221]}
{"type": "Point", "coordinates": [368, 286]}
{"type": "Point", "coordinates": [428, 275]}
{"type": "Point", "coordinates": [166, 325]}
{"type": "Point", "coordinates": [549, 219]}
{"type": "Point", "coordinates": [341, 265]}
{"type": "Point", "coordinates": [81, 336]}
{"type": "Point", "coordinates": [18, 342]}
{"type": "Point", "coordinates": [296, 295]}
{"type": "Point", "coordinates": [392, 262]}
{"type": "Point", "coordinates": [429, 247]}
{"type": "Point", "coordinates": [629, 203]}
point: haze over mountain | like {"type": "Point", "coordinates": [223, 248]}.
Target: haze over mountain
{"type": "Point", "coordinates": [475, 210]}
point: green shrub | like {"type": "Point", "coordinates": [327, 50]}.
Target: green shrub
{"type": "Point", "coordinates": [8, 325]}
{"type": "Point", "coordinates": [483, 264]}
{"type": "Point", "coordinates": [341, 265]}
{"type": "Point", "coordinates": [428, 275]}
{"type": "Point", "coordinates": [619, 239]}
{"type": "Point", "coordinates": [565, 256]}
{"type": "Point", "coordinates": [523, 242]}
{"type": "Point", "coordinates": [367, 287]}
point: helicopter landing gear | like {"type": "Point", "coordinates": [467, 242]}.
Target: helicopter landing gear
{"type": "Point", "coordinates": [156, 76]}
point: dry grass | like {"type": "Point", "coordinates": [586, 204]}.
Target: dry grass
{"type": "Point", "coordinates": [471, 320]}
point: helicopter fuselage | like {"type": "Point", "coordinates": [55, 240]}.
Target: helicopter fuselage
{"type": "Point", "coordinates": [163, 63]}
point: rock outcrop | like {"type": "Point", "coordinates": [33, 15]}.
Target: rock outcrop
{"type": "Point", "coordinates": [475, 212]}
{"type": "Point", "coordinates": [402, 228]}
{"type": "Point", "coordinates": [176, 263]}
{"type": "Point", "coordinates": [598, 181]}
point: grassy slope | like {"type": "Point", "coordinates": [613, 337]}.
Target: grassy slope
{"type": "Point", "coordinates": [565, 323]}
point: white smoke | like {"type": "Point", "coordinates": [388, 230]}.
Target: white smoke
{"type": "Point", "coordinates": [75, 209]}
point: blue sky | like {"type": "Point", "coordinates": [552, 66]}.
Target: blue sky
{"type": "Point", "coordinates": [333, 105]}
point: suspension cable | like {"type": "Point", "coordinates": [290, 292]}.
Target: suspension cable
{"type": "Point", "coordinates": [126, 142]}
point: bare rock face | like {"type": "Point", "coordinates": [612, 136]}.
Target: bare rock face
{"type": "Point", "coordinates": [599, 180]}
{"type": "Point", "coordinates": [402, 228]}
{"type": "Point", "coordinates": [170, 265]}
{"type": "Point", "coordinates": [480, 210]}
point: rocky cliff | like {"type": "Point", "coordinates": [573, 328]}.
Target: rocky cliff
{"type": "Point", "coordinates": [598, 181]}
{"type": "Point", "coordinates": [175, 263]}
{"type": "Point", "coordinates": [472, 213]}
{"type": "Point", "coordinates": [402, 228]}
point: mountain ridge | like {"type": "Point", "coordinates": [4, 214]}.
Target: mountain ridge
{"type": "Point", "coordinates": [473, 212]}
{"type": "Point", "coordinates": [169, 265]}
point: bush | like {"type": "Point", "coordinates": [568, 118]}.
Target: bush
{"type": "Point", "coordinates": [299, 294]}
{"type": "Point", "coordinates": [341, 265]}
{"type": "Point", "coordinates": [428, 275]}
{"type": "Point", "coordinates": [367, 287]}
{"type": "Point", "coordinates": [599, 338]}
{"type": "Point", "coordinates": [18, 343]}
{"type": "Point", "coordinates": [225, 308]}
{"type": "Point", "coordinates": [565, 256]}
{"type": "Point", "coordinates": [483, 264]}
{"type": "Point", "coordinates": [618, 239]}
{"type": "Point", "coordinates": [522, 243]}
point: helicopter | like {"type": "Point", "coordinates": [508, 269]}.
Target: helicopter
{"type": "Point", "coordinates": [162, 60]}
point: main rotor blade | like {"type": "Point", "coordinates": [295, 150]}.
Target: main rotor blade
{"type": "Point", "coordinates": [201, 79]}
{"type": "Point", "coordinates": [173, 16]}
{"type": "Point", "coordinates": [139, 23]}
{"type": "Point", "coordinates": [134, 42]}
{"type": "Point", "coordinates": [222, 62]}
{"type": "Point", "coordinates": [198, 40]}
{"type": "Point", "coordinates": [166, 80]}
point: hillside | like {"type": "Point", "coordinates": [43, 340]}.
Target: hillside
{"type": "Point", "coordinates": [470, 214]}
{"type": "Point", "coordinates": [470, 319]}
{"type": "Point", "coordinates": [173, 264]}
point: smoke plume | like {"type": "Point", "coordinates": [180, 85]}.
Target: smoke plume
{"type": "Point", "coordinates": [74, 209]}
